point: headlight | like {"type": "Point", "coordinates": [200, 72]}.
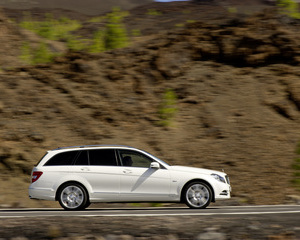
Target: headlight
{"type": "Point", "coordinates": [218, 177]}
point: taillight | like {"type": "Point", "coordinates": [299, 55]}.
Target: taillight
{"type": "Point", "coordinates": [35, 176]}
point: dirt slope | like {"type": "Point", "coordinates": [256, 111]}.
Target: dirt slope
{"type": "Point", "coordinates": [238, 104]}
{"type": "Point", "coordinates": [90, 7]}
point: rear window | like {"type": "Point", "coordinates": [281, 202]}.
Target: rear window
{"type": "Point", "coordinates": [62, 159]}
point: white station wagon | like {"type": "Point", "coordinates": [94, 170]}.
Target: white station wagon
{"type": "Point", "coordinates": [79, 176]}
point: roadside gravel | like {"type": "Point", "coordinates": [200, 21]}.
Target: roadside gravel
{"type": "Point", "coordinates": [271, 227]}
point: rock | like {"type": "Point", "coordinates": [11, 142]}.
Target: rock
{"type": "Point", "coordinates": [1, 107]}
{"type": "Point", "coordinates": [283, 236]}
{"type": "Point", "coordinates": [111, 237]}
{"type": "Point", "coordinates": [37, 137]}
{"type": "Point", "coordinates": [89, 237]}
{"type": "Point", "coordinates": [54, 232]}
{"type": "Point", "coordinates": [293, 199]}
{"type": "Point", "coordinates": [19, 238]}
{"type": "Point", "coordinates": [211, 234]}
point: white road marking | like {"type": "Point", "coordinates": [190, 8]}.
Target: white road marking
{"type": "Point", "coordinates": [108, 212]}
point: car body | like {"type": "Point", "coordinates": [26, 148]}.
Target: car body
{"type": "Point", "coordinates": [80, 175]}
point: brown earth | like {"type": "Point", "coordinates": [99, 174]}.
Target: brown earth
{"type": "Point", "coordinates": [236, 78]}
{"type": "Point", "coordinates": [90, 7]}
{"type": "Point", "coordinates": [268, 227]}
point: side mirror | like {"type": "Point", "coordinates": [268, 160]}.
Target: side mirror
{"type": "Point", "coordinates": [155, 165]}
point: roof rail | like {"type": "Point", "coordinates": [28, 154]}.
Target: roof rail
{"type": "Point", "coordinates": [90, 146]}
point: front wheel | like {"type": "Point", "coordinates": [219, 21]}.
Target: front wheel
{"type": "Point", "coordinates": [73, 196]}
{"type": "Point", "coordinates": [197, 195]}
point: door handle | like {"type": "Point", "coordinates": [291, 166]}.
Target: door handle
{"type": "Point", "coordinates": [85, 169]}
{"type": "Point", "coordinates": [126, 171]}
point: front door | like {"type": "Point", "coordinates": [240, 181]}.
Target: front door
{"type": "Point", "coordinates": [139, 182]}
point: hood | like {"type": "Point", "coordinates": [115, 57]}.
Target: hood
{"type": "Point", "coordinates": [196, 170]}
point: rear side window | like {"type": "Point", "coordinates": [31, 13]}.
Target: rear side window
{"type": "Point", "coordinates": [82, 159]}
{"type": "Point", "coordinates": [62, 159]}
{"type": "Point", "coordinates": [103, 157]}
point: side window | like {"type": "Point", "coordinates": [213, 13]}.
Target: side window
{"type": "Point", "coordinates": [62, 159]}
{"type": "Point", "coordinates": [103, 157]}
{"type": "Point", "coordinates": [134, 159]}
{"type": "Point", "coordinates": [82, 159]}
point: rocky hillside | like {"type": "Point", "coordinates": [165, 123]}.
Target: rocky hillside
{"type": "Point", "coordinates": [90, 7]}
{"type": "Point", "coordinates": [236, 107]}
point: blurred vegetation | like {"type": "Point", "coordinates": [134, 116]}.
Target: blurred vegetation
{"type": "Point", "coordinates": [153, 12]}
{"type": "Point", "coordinates": [232, 10]}
{"type": "Point", "coordinates": [296, 168]}
{"type": "Point", "coordinates": [136, 32]}
{"type": "Point", "coordinates": [76, 43]}
{"type": "Point", "coordinates": [179, 25]}
{"type": "Point", "coordinates": [51, 28]}
{"type": "Point", "coordinates": [39, 54]}
{"type": "Point", "coordinates": [167, 108]}
{"type": "Point", "coordinates": [289, 7]}
{"type": "Point", "coordinates": [26, 55]}
{"type": "Point", "coordinates": [115, 32]}
{"type": "Point", "coordinates": [98, 44]}
{"type": "Point", "coordinates": [42, 54]}
{"type": "Point", "coordinates": [112, 35]}
{"type": "Point", "coordinates": [97, 19]}
{"type": "Point", "coordinates": [190, 21]}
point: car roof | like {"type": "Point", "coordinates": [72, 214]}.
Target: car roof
{"type": "Point", "coordinates": [93, 146]}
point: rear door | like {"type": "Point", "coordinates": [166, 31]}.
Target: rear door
{"type": "Point", "coordinates": [100, 168]}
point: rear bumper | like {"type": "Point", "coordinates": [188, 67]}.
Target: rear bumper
{"type": "Point", "coordinates": [41, 193]}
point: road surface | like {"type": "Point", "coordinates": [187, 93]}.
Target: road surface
{"type": "Point", "coordinates": [228, 222]}
{"type": "Point", "coordinates": [154, 212]}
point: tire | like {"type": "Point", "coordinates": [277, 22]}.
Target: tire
{"type": "Point", "coordinates": [72, 196]}
{"type": "Point", "coordinates": [88, 203]}
{"type": "Point", "coordinates": [197, 195]}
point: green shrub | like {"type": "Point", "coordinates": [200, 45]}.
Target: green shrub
{"type": "Point", "coordinates": [136, 32]}
{"type": "Point", "coordinates": [113, 35]}
{"type": "Point", "coordinates": [96, 19]}
{"type": "Point", "coordinates": [179, 25]}
{"type": "Point", "coordinates": [186, 11]}
{"type": "Point", "coordinates": [26, 55]}
{"type": "Point", "coordinates": [98, 44]}
{"type": "Point", "coordinates": [33, 56]}
{"type": "Point", "coordinates": [167, 108]}
{"type": "Point", "coordinates": [190, 21]}
{"type": "Point", "coordinates": [42, 54]}
{"type": "Point", "coordinates": [153, 12]}
{"type": "Point", "coordinates": [76, 43]}
{"type": "Point", "coordinates": [289, 7]}
{"type": "Point", "coordinates": [51, 28]}
{"type": "Point", "coordinates": [115, 32]}
{"type": "Point", "coordinates": [232, 10]}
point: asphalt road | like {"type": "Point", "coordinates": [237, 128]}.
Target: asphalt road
{"type": "Point", "coordinates": [153, 212]}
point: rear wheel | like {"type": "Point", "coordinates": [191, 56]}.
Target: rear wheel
{"type": "Point", "coordinates": [73, 196]}
{"type": "Point", "coordinates": [197, 195]}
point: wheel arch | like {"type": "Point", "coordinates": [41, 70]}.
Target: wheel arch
{"type": "Point", "coordinates": [197, 180]}
{"type": "Point", "coordinates": [71, 182]}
